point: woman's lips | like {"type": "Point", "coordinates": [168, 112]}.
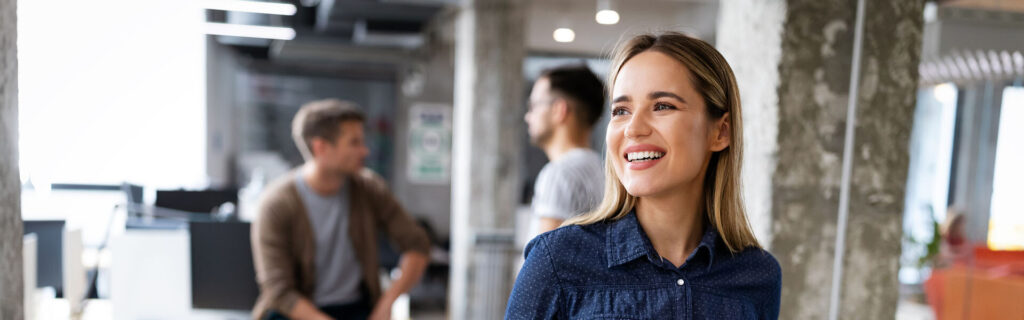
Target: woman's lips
{"type": "Point", "coordinates": [641, 165]}
{"type": "Point", "coordinates": [644, 155]}
{"type": "Point", "coordinates": [642, 148]}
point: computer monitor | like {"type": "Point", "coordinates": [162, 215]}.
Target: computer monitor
{"type": "Point", "coordinates": [50, 252]}
{"type": "Point", "coordinates": [222, 270]}
{"type": "Point", "coordinates": [132, 193]}
{"type": "Point", "coordinates": [204, 201]}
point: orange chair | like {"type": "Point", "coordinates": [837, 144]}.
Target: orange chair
{"type": "Point", "coordinates": [990, 286]}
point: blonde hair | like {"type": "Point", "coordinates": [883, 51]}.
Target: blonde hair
{"type": "Point", "coordinates": [713, 78]}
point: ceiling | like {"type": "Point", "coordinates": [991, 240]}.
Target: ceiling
{"type": "Point", "coordinates": [366, 29]}
{"type": "Point", "coordinates": [696, 18]}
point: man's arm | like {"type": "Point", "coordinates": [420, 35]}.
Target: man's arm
{"type": "Point", "coordinates": [275, 270]}
{"type": "Point", "coordinates": [412, 266]}
{"type": "Point", "coordinates": [545, 224]}
{"type": "Point", "coordinates": [412, 241]}
{"type": "Point", "coordinates": [553, 200]}
{"type": "Point", "coordinates": [305, 310]}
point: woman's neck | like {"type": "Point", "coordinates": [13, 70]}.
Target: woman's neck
{"type": "Point", "coordinates": [673, 222]}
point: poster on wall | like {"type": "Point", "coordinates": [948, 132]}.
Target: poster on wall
{"type": "Point", "coordinates": [430, 143]}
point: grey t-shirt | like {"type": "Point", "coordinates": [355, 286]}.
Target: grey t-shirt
{"type": "Point", "coordinates": [337, 270]}
{"type": "Point", "coordinates": [572, 185]}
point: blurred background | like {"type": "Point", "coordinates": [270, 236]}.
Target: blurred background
{"type": "Point", "coordinates": [884, 157]}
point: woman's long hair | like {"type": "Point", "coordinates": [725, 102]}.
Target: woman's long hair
{"type": "Point", "coordinates": [714, 80]}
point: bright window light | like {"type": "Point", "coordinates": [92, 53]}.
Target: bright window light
{"type": "Point", "coordinates": [564, 35]}
{"type": "Point", "coordinates": [250, 31]}
{"type": "Point", "coordinates": [115, 92]}
{"type": "Point", "coordinates": [275, 8]}
{"type": "Point", "coordinates": [1006, 223]}
{"type": "Point", "coordinates": [928, 173]}
{"type": "Point", "coordinates": [607, 17]}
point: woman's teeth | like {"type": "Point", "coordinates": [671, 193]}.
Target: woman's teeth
{"type": "Point", "coordinates": [644, 156]}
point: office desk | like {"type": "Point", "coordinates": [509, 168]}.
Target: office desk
{"type": "Point", "coordinates": [151, 278]}
{"type": "Point", "coordinates": [103, 309]}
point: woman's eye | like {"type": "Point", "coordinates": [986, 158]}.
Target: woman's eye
{"type": "Point", "coordinates": [618, 111]}
{"type": "Point", "coordinates": [663, 106]}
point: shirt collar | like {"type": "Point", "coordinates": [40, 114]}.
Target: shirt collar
{"type": "Point", "coordinates": [626, 241]}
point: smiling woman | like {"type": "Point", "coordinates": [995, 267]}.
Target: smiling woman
{"type": "Point", "coordinates": [670, 238]}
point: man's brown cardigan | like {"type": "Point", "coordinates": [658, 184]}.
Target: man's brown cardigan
{"type": "Point", "coordinates": [284, 249]}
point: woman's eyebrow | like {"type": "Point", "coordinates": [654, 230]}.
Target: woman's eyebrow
{"type": "Point", "coordinates": [622, 98]}
{"type": "Point", "coordinates": [665, 94]}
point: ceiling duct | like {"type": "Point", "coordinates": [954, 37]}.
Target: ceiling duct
{"type": "Point", "coordinates": [377, 23]}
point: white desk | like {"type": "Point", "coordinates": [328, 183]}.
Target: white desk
{"type": "Point", "coordinates": [103, 309]}
{"type": "Point", "coordinates": [151, 278]}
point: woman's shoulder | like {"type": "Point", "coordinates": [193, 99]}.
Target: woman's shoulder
{"type": "Point", "coordinates": [567, 242]}
{"type": "Point", "coordinates": [575, 235]}
{"type": "Point", "coordinates": [760, 259]}
{"type": "Point", "coordinates": [753, 265]}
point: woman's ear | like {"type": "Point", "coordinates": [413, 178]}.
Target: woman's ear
{"type": "Point", "coordinates": [721, 134]}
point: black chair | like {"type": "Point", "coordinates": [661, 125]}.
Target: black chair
{"type": "Point", "coordinates": [50, 252]}
{"type": "Point", "coordinates": [223, 276]}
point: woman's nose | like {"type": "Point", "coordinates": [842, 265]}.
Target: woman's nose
{"type": "Point", "coordinates": [638, 126]}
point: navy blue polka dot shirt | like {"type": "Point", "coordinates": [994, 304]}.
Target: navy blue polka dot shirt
{"type": "Point", "coordinates": [610, 270]}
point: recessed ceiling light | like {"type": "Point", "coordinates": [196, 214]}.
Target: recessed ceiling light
{"type": "Point", "coordinates": [249, 31]}
{"type": "Point", "coordinates": [264, 7]}
{"type": "Point", "coordinates": [607, 17]}
{"type": "Point", "coordinates": [564, 35]}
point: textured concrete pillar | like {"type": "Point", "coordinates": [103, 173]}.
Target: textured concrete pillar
{"type": "Point", "coordinates": [489, 51]}
{"type": "Point", "coordinates": [11, 283]}
{"type": "Point", "coordinates": [828, 156]}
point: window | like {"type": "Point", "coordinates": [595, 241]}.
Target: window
{"type": "Point", "coordinates": [112, 91]}
{"type": "Point", "coordinates": [928, 180]}
{"type": "Point", "coordinates": [1006, 220]}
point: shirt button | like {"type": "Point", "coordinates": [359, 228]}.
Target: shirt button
{"type": "Point", "coordinates": [680, 282]}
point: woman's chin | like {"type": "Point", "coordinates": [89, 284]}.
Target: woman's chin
{"type": "Point", "coordinates": [640, 189]}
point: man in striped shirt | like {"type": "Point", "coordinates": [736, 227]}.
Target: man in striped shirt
{"type": "Point", "coordinates": [564, 105]}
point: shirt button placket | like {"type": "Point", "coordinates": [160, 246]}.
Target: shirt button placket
{"type": "Point", "coordinates": [684, 294]}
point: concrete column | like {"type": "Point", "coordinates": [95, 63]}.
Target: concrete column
{"type": "Point", "coordinates": [830, 167]}
{"type": "Point", "coordinates": [11, 283]}
{"type": "Point", "coordinates": [489, 51]}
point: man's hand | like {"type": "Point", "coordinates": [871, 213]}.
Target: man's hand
{"type": "Point", "coordinates": [305, 310]}
{"type": "Point", "coordinates": [382, 311]}
{"type": "Point", "coordinates": [412, 265]}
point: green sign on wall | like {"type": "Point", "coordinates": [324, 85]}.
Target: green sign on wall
{"type": "Point", "coordinates": [430, 143]}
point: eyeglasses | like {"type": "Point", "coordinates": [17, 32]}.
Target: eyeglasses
{"type": "Point", "coordinates": [532, 105]}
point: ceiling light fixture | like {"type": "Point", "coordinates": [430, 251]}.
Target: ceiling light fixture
{"type": "Point", "coordinates": [249, 31]}
{"type": "Point", "coordinates": [564, 35]}
{"type": "Point", "coordinates": [605, 14]}
{"type": "Point", "coordinates": [275, 8]}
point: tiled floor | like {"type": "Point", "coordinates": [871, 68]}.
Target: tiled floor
{"type": "Point", "coordinates": [908, 310]}
{"type": "Point", "coordinates": [432, 315]}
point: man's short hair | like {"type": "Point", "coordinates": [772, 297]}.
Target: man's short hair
{"type": "Point", "coordinates": [321, 119]}
{"type": "Point", "coordinates": [582, 87]}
